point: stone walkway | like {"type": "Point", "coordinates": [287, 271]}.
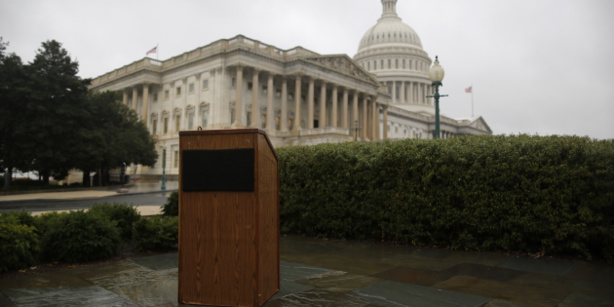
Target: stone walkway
{"type": "Point", "coordinates": [339, 273]}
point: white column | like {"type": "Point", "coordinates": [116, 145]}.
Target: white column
{"type": "Point", "coordinates": [402, 92]}
{"type": "Point", "coordinates": [344, 109]}
{"type": "Point", "coordinates": [322, 121]}
{"type": "Point", "coordinates": [297, 104]}
{"type": "Point", "coordinates": [375, 121]}
{"type": "Point", "coordinates": [385, 126]}
{"type": "Point", "coordinates": [135, 96]}
{"type": "Point", "coordinates": [411, 92]}
{"type": "Point", "coordinates": [354, 109]}
{"type": "Point", "coordinates": [333, 119]}
{"type": "Point", "coordinates": [125, 101]}
{"type": "Point", "coordinates": [270, 114]}
{"type": "Point", "coordinates": [255, 106]}
{"type": "Point", "coordinates": [310, 103]}
{"type": "Point", "coordinates": [238, 123]}
{"type": "Point", "coordinates": [283, 125]}
{"type": "Point", "coordinates": [365, 119]}
{"type": "Point", "coordinates": [145, 103]}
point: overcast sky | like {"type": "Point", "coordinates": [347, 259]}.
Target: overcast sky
{"type": "Point", "coordinates": [536, 66]}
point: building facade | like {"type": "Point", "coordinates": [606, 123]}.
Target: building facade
{"type": "Point", "coordinates": [297, 96]}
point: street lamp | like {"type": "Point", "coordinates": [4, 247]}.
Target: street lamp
{"type": "Point", "coordinates": [436, 74]}
{"type": "Point", "coordinates": [356, 128]}
{"type": "Point", "coordinates": [163, 187]}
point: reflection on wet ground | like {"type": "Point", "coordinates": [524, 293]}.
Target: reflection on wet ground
{"type": "Point", "coordinates": [318, 272]}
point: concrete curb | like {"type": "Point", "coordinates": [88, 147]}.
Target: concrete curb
{"type": "Point", "coordinates": [82, 198]}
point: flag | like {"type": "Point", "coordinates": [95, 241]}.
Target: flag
{"type": "Point", "coordinates": [153, 50]}
{"type": "Point", "coordinates": [468, 90]}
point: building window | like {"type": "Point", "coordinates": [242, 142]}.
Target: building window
{"type": "Point", "coordinates": [177, 123]}
{"type": "Point", "coordinates": [382, 64]}
{"type": "Point", "coordinates": [165, 125]}
{"type": "Point", "coordinates": [205, 118]}
{"type": "Point", "coordinates": [403, 63]}
{"type": "Point", "coordinates": [154, 127]}
{"type": "Point", "coordinates": [277, 93]}
{"type": "Point", "coordinates": [290, 96]}
{"type": "Point", "coordinates": [178, 91]}
{"type": "Point", "coordinates": [155, 97]}
{"type": "Point", "coordinates": [232, 115]}
{"type": "Point", "coordinates": [234, 82]}
{"type": "Point", "coordinates": [374, 65]}
{"type": "Point", "coordinates": [368, 65]}
{"type": "Point", "coordinates": [176, 159]}
{"type": "Point", "coordinates": [249, 86]}
{"type": "Point", "coordinates": [396, 63]}
{"type": "Point", "coordinates": [265, 89]}
{"type": "Point", "coordinates": [277, 122]}
{"type": "Point", "coordinates": [191, 88]}
{"type": "Point", "coordinates": [205, 84]}
{"type": "Point", "coordinates": [190, 120]}
{"type": "Point", "coordinates": [389, 63]}
{"type": "Point", "coordinates": [166, 94]}
{"type": "Point", "coordinates": [249, 118]}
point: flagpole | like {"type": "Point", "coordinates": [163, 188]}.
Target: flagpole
{"type": "Point", "coordinates": [472, 114]}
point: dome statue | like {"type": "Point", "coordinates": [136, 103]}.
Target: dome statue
{"type": "Point", "coordinates": [392, 51]}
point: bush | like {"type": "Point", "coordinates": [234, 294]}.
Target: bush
{"type": "Point", "coordinates": [79, 236]}
{"type": "Point", "coordinates": [513, 193]}
{"type": "Point", "coordinates": [171, 207]}
{"type": "Point", "coordinates": [18, 241]}
{"type": "Point", "coordinates": [123, 214]}
{"type": "Point", "coordinates": [156, 233]}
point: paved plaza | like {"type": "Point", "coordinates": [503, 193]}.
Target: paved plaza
{"type": "Point", "coordinates": [319, 272]}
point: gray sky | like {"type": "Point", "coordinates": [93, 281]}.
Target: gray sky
{"type": "Point", "coordinates": [536, 66]}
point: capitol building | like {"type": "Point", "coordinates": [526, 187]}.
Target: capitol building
{"type": "Point", "coordinates": [299, 97]}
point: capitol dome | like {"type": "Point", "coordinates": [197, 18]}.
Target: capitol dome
{"type": "Point", "coordinates": [392, 51]}
{"type": "Point", "coordinates": [389, 30]}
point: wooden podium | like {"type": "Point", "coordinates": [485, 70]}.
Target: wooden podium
{"type": "Point", "coordinates": [228, 218]}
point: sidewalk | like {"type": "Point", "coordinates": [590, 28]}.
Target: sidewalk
{"type": "Point", "coordinates": [339, 273]}
{"type": "Point", "coordinates": [136, 187]}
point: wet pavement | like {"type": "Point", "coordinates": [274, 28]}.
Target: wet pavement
{"type": "Point", "coordinates": [146, 192]}
{"type": "Point", "coordinates": [135, 187]}
{"type": "Point", "coordinates": [317, 272]}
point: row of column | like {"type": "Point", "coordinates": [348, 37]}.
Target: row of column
{"type": "Point", "coordinates": [135, 95]}
{"type": "Point", "coordinates": [410, 92]}
{"type": "Point", "coordinates": [370, 111]}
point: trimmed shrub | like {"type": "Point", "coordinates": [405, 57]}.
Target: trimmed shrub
{"type": "Point", "coordinates": [171, 207]}
{"type": "Point", "coordinates": [79, 236]}
{"type": "Point", "coordinates": [513, 193]}
{"type": "Point", "coordinates": [18, 241]}
{"type": "Point", "coordinates": [123, 214]}
{"type": "Point", "coordinates": [156, 233]}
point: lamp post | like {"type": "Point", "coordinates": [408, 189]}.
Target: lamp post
{"type": "Point", "coordinates": [163, 187]}
{"type": "Point", "coordinates": [356, 128]}
{"type": "Point", "coordinates": [436, 74]}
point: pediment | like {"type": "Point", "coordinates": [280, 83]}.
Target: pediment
{"type": "Point", "coordinates": [343, 64]}
{"type": "Point", "coordinates": [480, 124]}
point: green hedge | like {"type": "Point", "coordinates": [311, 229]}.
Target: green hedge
{"type": "Point", "coordinates": [171, 207]}
{"type": "Point", "coordinates": [123, 214]}
{"type": "Point", "coordinates": [79, 236]}
{"type": "Point", "coordinates": [18, 241]}
{"type": "Point", "coordinates": [156, 233]}
{"type": "Point", "coordinates": [513, 193]}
